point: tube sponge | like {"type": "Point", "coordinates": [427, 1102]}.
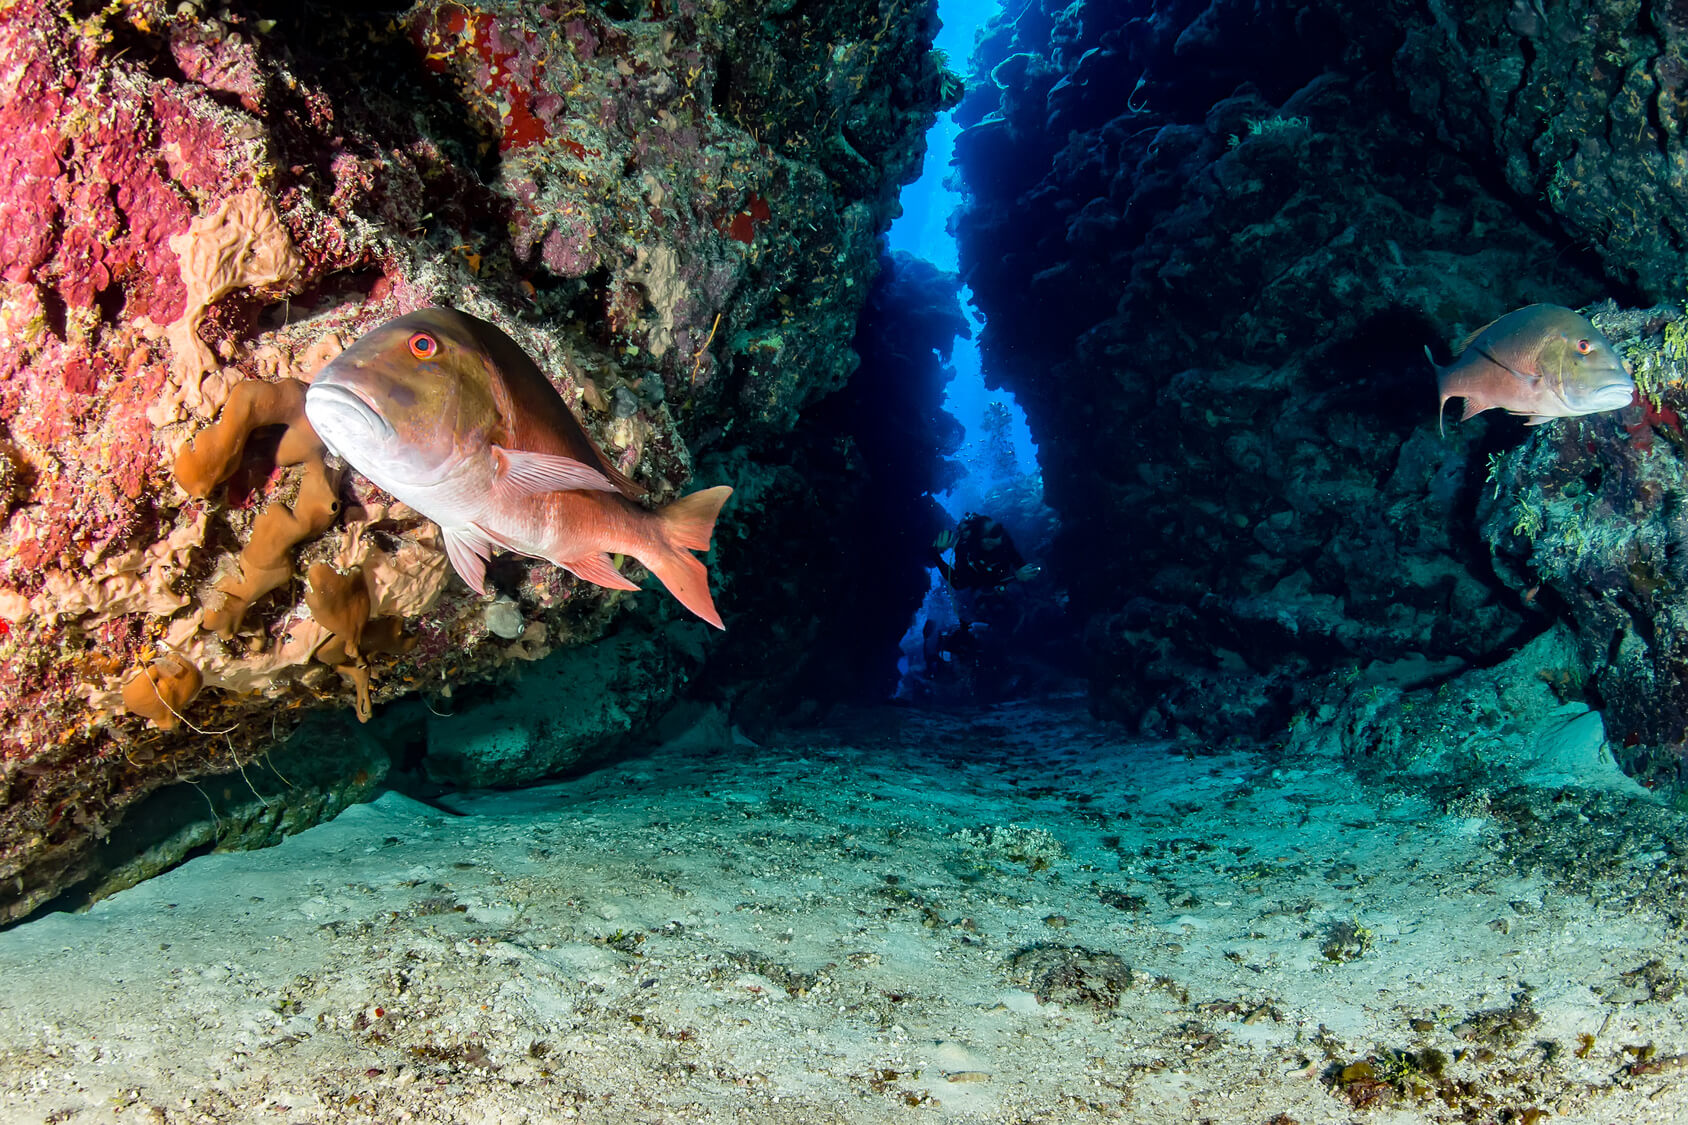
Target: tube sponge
{"type": "Point", "coordinates": [207, 460]}
{"type": "Point", "coordinates": [161, 690]}
{"type": "Point", "coordinates": [340, 602]}
{"type": "Point", "coordinates": [266, 561]}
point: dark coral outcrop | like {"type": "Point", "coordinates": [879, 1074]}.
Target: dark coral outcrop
{"type": "Point", "coordinates": [852, 494]}
{"type": "Point", "coordinates": [1580, 110]}
{"type": "Point", "coordinates": [1209, 269]}
{"type": "Point", "coordinates": [1212, 242]}
{"type": "Point", "coordinates": [1588, 524]}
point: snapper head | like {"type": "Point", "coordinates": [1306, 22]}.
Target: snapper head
{"type": "Point", "coordinates": [406, 402]}
{"type": "Point", "coordinates": [1580, 367]}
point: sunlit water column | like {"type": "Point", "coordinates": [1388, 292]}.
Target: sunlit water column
{"type": "Point", "coordinates": [923, 231]}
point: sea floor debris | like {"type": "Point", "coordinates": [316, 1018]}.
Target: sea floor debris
{"type": "Point", "coordinates": [801, 931]}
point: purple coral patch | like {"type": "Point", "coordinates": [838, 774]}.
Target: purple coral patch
{"type": "Point", "coordinates": [567, 251]}
{"type": "Point", "coordinates": [581, 38]}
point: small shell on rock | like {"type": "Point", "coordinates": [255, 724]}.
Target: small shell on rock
{"type": "Point", "coordinates": [504, 619]}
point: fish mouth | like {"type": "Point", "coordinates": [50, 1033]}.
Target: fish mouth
{"type": "Point", "coordinates": [337, 404]}
{"type": "Point", "coordinates": [1610, 396]}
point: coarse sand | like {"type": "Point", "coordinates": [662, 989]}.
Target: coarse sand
{"type": "Point", "coordinates": [1003, 915]}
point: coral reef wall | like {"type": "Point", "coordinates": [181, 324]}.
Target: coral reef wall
{"type": "Point", "coordinates": [852, 497]}
{"type": "Point", "coordinates": [1212, 241]}
{"type": "Point", "coordinates": [675, 207]}
{"type": "Point", "coordinates": [1582, 112]}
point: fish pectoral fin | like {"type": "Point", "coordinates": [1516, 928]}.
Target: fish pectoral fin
{"type": "Point", "coordinates": [468, 548]}
{"type": "Point", "coordinates": [1526, 377]}
{"type": "Point", "coordinates": [518, 473]}
{"type": "Point", "coordinates": [598, 569]}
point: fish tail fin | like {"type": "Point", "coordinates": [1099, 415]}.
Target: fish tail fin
{"type": "Point", "coordinates": [686, 526]}
{"type": "Point", "coordinates": [1442, 403]}
{"type": "Point", "coordinates": [690, 521]}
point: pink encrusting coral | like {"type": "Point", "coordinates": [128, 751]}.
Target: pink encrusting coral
{"type": "Point", "coordinates": [198, 200]}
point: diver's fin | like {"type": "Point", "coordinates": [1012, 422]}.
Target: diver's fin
{"type": "Point", "coordinates": [518, 473]}
{"type": "Point", "coordinates": [468, 548]}
{"type": "Point", "coordinates": [598, 569]}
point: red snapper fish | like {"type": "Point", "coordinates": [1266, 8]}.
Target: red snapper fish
{"type": "Point", "coordinates": [1544, 361]}
{"type": "Point", "coordinates": [448, 414]}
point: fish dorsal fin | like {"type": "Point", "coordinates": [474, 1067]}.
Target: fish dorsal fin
{"type": "Point", "coordinates": [518, 473]}
{"type": "Point", "coordinates": [535, 417]}
{"type": "Point", "coordinates": [1471, 338]}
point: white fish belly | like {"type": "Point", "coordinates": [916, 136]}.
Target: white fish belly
{"type": "Point", "coordinates": [560, 527]}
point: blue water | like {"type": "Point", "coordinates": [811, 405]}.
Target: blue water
{"type": "Point", "coordinates": [922, 230]}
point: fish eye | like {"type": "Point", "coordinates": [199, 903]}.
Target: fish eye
{"type": "Point", "coordinates": [1584, 347]}
{"type": "Point", "coordinates": [424, 346]}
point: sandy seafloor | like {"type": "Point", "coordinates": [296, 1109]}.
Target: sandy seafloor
{"type": "Point", "coordinates": [854, 924]}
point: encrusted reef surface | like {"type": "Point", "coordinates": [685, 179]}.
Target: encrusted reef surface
{"type": "Point", "coordinates": [1212, 242]}
{"type": "Point", "coordinates": [674, 207]}
{"type": "Point", "coordinates": [1589, 522]}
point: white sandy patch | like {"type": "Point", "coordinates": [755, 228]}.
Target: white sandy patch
{"type": "Point", "coordinates": [825, 931]}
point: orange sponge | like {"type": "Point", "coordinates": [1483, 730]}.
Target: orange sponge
{"type": "Point", "coordinates": [383, 635]}
{"type": "Point", "coordinates": [207, 460]}
{"type": "Point", "coordinates": [161, 690]}
{"type": "Point", "coordinates": [340, 602]}
{"type": "Point", "coordinates": [266, 562]}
